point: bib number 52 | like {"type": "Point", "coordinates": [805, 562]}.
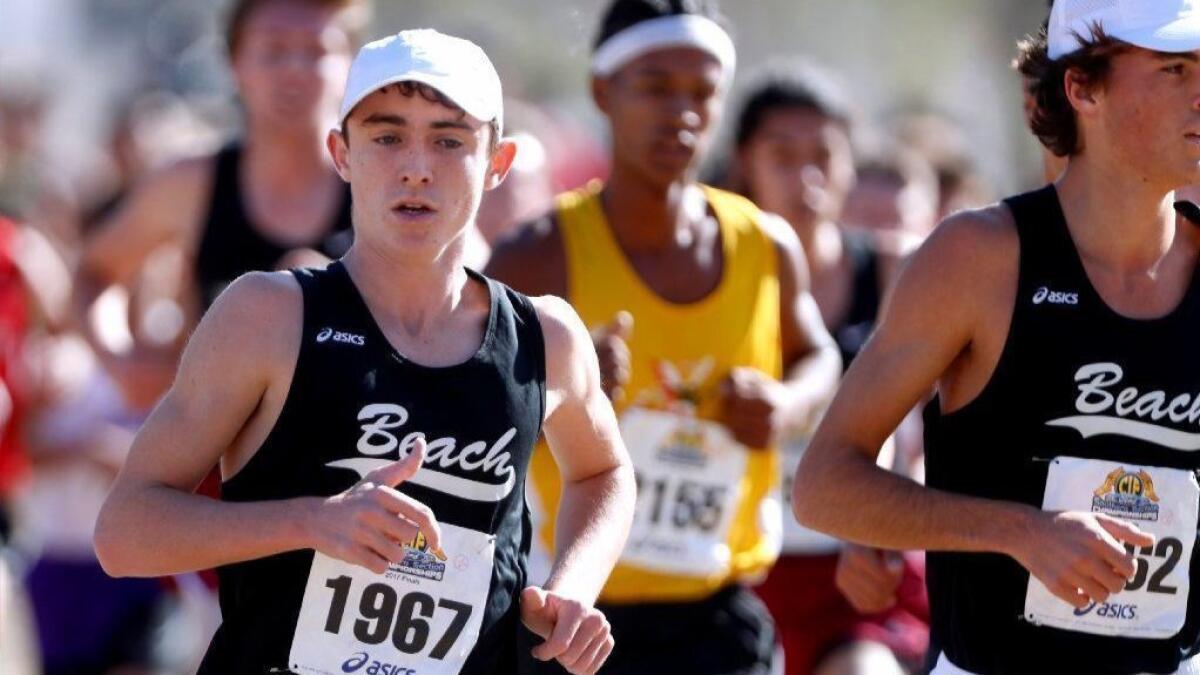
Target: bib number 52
{"type": "Point", "coordinates": [1169, 550]}
{"type": "Point", "coordinates": [382, 612]}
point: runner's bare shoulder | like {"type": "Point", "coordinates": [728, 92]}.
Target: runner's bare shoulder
{"type": "Point", "coordinates": [568, 343]}
{"type": "Point", "coordinates": [532, 260]}
{"type": "Point", "coordinates": [255, 324]}
{"type": "Point", "coordinates": [971, 256]}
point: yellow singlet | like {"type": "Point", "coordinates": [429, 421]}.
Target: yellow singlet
{"type": "Point", "coordinates": [708, 511]}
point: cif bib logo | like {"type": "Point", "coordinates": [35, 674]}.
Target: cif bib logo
{"type": "Point", "coordinates": [421, 561]}
{"type": "Point", "coordinates": [1127, 495]}
{"type": "Point", "coordinates": [685, 445]}
{"type": "Point", "coordinates": [420, 545]}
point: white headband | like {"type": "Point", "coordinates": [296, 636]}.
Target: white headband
{"type": "Point", "coordinates": [676, 30]}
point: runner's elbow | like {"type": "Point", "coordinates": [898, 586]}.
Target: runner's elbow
{"type": "Point", "coordinates": [813, 489]}
{"type": "Point", "coordinates": [114, 549]}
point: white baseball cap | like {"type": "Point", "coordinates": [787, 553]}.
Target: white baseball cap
{"type": "Point", "coordinates": [456, 67]}
{"type": "Point", "coordinates": [1161, 25]}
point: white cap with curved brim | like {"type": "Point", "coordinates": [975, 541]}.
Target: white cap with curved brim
{"type": "Point", "coordinates": [457, 68]}
{"type": "Point", "coordinates": [1171, 26]}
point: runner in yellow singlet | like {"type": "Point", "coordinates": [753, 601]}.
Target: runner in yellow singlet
{"type": "Point", "coordinates": [710, 345]}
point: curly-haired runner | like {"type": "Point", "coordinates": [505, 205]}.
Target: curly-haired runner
{"type": "Point", "coordinates": [1059, 329]}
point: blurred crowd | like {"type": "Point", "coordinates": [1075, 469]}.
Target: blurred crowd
{"type": "Point", "coordinates": [102, 279]}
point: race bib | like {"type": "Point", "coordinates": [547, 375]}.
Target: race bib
{"type": "Point", "coordinates": [690, 474]}
{"type": "Point", "coordinates": [1157, 500]}
{"type": "Point", "coordinates": [421, 617]}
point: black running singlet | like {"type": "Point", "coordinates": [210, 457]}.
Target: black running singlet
{"type": "Point", "coordinates": [856, 327]}
{"type": "Point", "coordinates": [1090, 411]}
{"type": "Point", "coordinates": [355, 404]}
{"type": "Point", "coordinates": [230, 245]}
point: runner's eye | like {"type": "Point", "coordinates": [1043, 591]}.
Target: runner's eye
{"type": "Point", "coordinates": [1174, 69]}
{"type": "Point", "coordinates": [450, 143]}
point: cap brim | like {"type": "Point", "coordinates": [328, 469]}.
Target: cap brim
{"type": "Point", "coordinates": [1181, 35]}
{"type": "Point", "coordinates": [443, 85]}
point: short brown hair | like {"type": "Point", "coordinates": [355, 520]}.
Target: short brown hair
{"type": "Point", "coordinates": [1052, 118]}
{"type": "Point", "coordinates": [354, 15]}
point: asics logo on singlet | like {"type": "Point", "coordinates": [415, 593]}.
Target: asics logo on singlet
{"type": "Point", "coordinates": [1044, 294]}
{"type": "Point", "coordinates": [1106, 411]}
{"type": "Point", "coordinates": [478, 457]}
{"type": "Point", "coordinates": [340, 336]}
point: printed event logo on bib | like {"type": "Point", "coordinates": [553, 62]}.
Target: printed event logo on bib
{"type": "Point", "coordinates": [421, 617]}
{"type": "Point", "coordinates": [1159, 500]}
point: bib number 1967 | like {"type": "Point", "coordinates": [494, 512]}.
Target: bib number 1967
{"type": "Point", "coordinates": [405, 619]}
{"type": "Point", "coordinates": [422, 616]}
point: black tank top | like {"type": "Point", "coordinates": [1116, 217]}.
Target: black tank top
{"type": "Point", "coordinates": [230, 245]}
{"type": "Point", "coordinates": [1075, 380]}
{"type": "Point", "coordinates": [355, 403]}
{"type": "Point", "coordinates": [856, 327]}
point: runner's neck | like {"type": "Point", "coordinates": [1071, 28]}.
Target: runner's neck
{"type": "Point", "coordinates": [286, 164]}
{"type": "Point", "coordinates": [1116, 220]}
{"type": "Point", "coordinates": [422, 296]}
{"type": "Point", "coordinates": [649, 219]}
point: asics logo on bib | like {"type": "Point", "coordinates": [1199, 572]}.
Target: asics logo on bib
{"type": "Point", "coordinates": [1106, 411]}
{"type": "Point", "coordinates": [1044, 294]}
{"type": "Point", "coordinates": [339, 336]}
{"type": "Point", "coordinates": [1110, 610]}
{"type": "Point", "coordinates": [477, 459]}
{"type": "Point", "coordinates": [360, 660]}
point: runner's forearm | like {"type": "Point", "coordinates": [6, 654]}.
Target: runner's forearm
{"type": "Point", "coordinates": [155, 530]}
{"type": "Point", "coordinates": [811, 382]}
{"type": "Point", "coordinates": [593, 522]}
{"type": "Point", "coordinates": [848, 496]}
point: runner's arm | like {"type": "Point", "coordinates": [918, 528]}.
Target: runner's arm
{"type": "Point", "coordinates": [759, 409]}
{"type": "Point", "coordinates": [927, 324]}
{"type": "Point", "coordinates": [598, 486]}
{"type": "Point", "coordinates": [164, 209]}
{"type": "Point", "coordinates": [812, 364]}
{"type": "Point", "coordinates": [151, 524]}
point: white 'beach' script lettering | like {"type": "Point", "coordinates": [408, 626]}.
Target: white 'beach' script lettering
{"type": "Point", "coordinates": [440, 453]}
{"type": "Point", "coordinates": [1097, 396]}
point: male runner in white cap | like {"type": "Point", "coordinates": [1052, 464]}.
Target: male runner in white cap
{"type": "Point", "coordinates": [374, 420]}
{"type": "Point", "coordinates": [1059, 328]}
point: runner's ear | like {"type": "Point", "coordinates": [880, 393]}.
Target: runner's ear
{"type": "Point", "coordinates": [500, 162]}
{"type": "Point", "coordinates": [335, 142]}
